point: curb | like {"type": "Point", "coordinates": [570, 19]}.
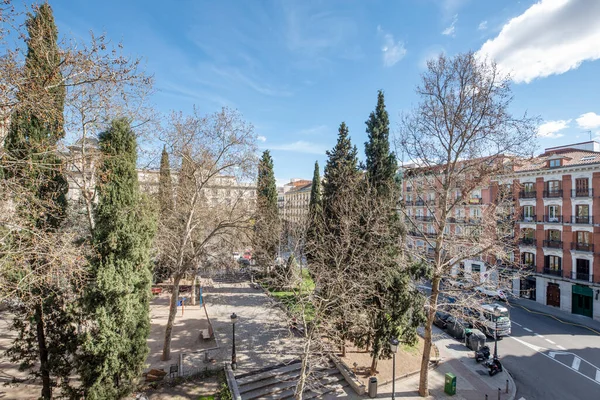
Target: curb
{"type": "Point", "coordinates": [511, 384]}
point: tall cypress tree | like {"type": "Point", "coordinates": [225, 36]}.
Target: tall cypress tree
{"type": "Point", "coordinates": [165, 185]}
{"type": "Point", "coordinates": [267, 227]}
{"type": "Point", "coordinates": [398, 305]}
{"type": "Point", "coordinates": [45, 335]}
{"type": "Point", "coordinates": [381, 164]}
{"type": "Point", "coordinates": [315, 214]}
{"type": "Point", "coordinates": [114, 349]}
{"type": "Point", "coordinates": [342, 166]}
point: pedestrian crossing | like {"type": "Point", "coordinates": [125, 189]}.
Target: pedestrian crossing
{"type": "Point", "coordinates": [577, 364]}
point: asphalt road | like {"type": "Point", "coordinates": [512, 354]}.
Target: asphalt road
{"type": "Point", "coordinates": [551, 360]}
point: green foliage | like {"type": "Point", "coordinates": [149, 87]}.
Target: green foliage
{"type": "Point", "coordinates": [315, 214]}
{"type": "Point", "coordinates": [341, 169]}
{"type": "Point", "coordinates": [267, 227]}
{"type": "Point", "coordinates": [381, 165]}
{"type": "Point", "coordinates": [165, 185]}
{"type": "Point", "coordinates": [114, 348]}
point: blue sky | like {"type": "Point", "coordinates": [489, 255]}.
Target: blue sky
{"type": "Point", "coordinates": [296, 69]}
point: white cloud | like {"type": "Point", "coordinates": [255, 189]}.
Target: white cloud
{"type": "Point", "coordinates": [449, 31]}
{"type": "Point", "coordinates": [550, 129]}
{"type": "Point", "coordinates": [482, 26]}
{"type": "Point", "coordinates": [550, 37]}
{"type": "Point", "coordinates": [589, 120]}
{"type": "Point", "coordinates": [300, 146]}
{"type": "Point", "coordinates": [393, 51]}
{"type": "Point", "coordinates": [261, 138]}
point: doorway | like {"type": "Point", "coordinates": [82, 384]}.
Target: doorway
{"type": "Point", "coordinates": [553, 295]}
{"type": "Point", "coordinates": [582, 300]}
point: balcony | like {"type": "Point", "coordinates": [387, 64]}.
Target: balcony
{"type": "Point", "coordinates": [553, 193]}
{"type": "Point", "coordinates": [527, 218]}
{"type": "Point", "coordinates": [409, 203]}
{"type": "Point", "coordinates": [589, 247]}
{"type": "Point", "coordinates": [425, 218]}
{"type": "Point", "coordinates": [555, 272]}
{"type": "Point", "coordinates": [582, 220]}
{"type": "Point", "coordinates": [527, 194]}
{"type": "Point", "coordinates": [475, 200]}
{"type": "Point", "coordinates": [555, 219]}
{"type": "Point", "coordinates": [409, 189]}
{"type": "Point", "coordinates": [553, 244]}
{"type": "Point", "coordinates": [582, 276]}
{"type": "Point", "coordinates": [582, 193]}
{"type": "Point", "coordinates": [528, 242]}
{"type": "Point", "coordinates": [419, 202]}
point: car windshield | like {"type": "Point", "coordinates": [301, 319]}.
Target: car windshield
{"type": "Point", "coordinates": [502, 315]}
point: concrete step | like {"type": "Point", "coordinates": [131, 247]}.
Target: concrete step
{"type": "Point", "coordinates": [271, 391]}
{"type": "Point", "coordinates": [267, 374]}
{"type": "Point", "coordinates": [263, 383]}
{"type": "Point", "coordinates": [265, 369]}
{"type": "Point", "coordinates": [284, 386]}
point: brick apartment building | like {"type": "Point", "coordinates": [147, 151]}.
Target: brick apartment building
{"type": "Point", "coordinates": [557, 225]}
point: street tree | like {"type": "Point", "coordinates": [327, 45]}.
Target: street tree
{"type": "Point", "coordinates": [267, 227]}
{"type": "Point", "coordinates": [117, 298]}
{"type": "Point", "coordinates": [213, 206]}
{"type": "Point", "coordinates": [460, 136]}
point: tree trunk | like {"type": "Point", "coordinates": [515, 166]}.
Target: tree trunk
{"type": "Point", "coordinates": [424, 377]}
{"type": "Point", "coordinates": [194, 288]}
{"type": "Point", "coordinates": [374, 364]}
{"type": "Point", "coordinates": [303, 370]}
{"type": "Point", "coordinates": [343, 350]}
{"type": "Point", "coordinates": [166, 355]}
{"type": "Point", "coordinates": [41, 339]}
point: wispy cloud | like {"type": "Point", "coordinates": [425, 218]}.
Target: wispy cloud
{"type": "Point", "coordinates": [392, 50]}
{"type": "Point", "coordinates": [449, 31]}
{"type": "Point", "coordinates": [482, 26]}
{"type": "Point", "coordinates": [550, 129]}
{"type": "Point", "coordinates": [300, 146]}
{"type": "Point", "coordinates": [589, 120]}
{"type": "Point", "coordinates": [261, 138]}
{"type": "Point", "coordinates": [551, 37]}
{"type": "Point", "coordinates": [315, 130]}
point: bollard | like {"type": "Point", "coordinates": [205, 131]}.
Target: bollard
{"type": "Point", "coordinates": [486, 397]}
{"type": "Point", "coordinates": [507, 386]}
{"type": "Point", "coordinates": [499, 391]}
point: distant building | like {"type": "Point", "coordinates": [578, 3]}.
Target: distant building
{"type": "Point", "coordinates": [297, 201]}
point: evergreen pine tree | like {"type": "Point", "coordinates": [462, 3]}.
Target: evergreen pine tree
{"type": "Point", "coordinates": [114, 348]}
{"type": "Point", "coordinates": [267, 227]}
{"type": "Point", "coordinates": [381, 163]}
{"type": "Point", "coordinates": [45, 334]}
{"type": "Point", "coordinates": [315, 214]}
{"type": "Point", "coordinates": [398, 305]}
{"type": "Point", "coordinates": [340, 170]}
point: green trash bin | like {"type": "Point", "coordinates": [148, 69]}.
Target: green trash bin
{"type": "Point", "coordinates": [450, 384]}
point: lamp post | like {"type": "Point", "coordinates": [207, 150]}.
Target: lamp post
{"type": "Point", "coordinates": [496, 315]}
{"type": "Point", "coordinates": [394, 347]}
{"type": "Point", "coordinates": [233, 357]}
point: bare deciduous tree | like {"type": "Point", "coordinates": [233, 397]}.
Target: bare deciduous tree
{"type": "Point", "coordinates": [215, 154]}
{"type": "Point", "coordinates": [461, 135]}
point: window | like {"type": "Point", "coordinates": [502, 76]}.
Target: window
{"type": "Point", "coordinates": [475, 267]}
{"type": "Point", "coordinates": [554, 214]}
{"type": "Point", "coordinates": [529, 187]}
{"type": "Point", "coordinates": [583, 237]}
{"type": "Point", "coordinates": [528, 234]}
{"type": "Point", "coordinates": [554, 163]}
{"type": "Point", "coordinates": [529, 213]}
{"type": "Point", "coordinates": [582, 210]}
{"type": "Point", "coordinates": [553, 235]}
{"type": "Point", "coordinates": [553, 263]}
{"type": "Point", "coordinates": [553, 186]}
{"type": "Point", "coordinates": [528, 259]}
{"type": "Point", "coordinates": [583, 267]}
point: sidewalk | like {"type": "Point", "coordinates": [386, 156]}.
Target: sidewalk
{"type": "Point", "coordinates": [262, 336]}
{"type": "Point", "coordinates": [472, 379]}
{"type": "Point", "coordinates": [553, 312]}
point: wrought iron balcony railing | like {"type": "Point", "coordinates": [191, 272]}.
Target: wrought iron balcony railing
{"type": "Point", "coordinates": [551, 271]}
{"type": "Point", "coordinates": [523, 194]}
{"type": "Point", "coordinates": [553, 193]}
{"type": "Point", "coordinates": [553, 244]}
{"type": "Point", "coordinates": [584, 220]}
{"type": "Point", "coordinates": [554, 219]}
{"type": "Point", "coordinates": [582, 246]}
{"type": "Point", "coordinates": [582, 192]}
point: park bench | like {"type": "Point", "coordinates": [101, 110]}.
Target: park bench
{"type": "Point", "coordinates": [156, 290]}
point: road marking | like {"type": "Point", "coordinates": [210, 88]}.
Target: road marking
{"type": "Point", "coordinates": [576, 363]}
{"type": "Point", "coordinates": [560, 347]}
{"type": "Point", "coordinates": [551, 356]}
{"type": "Point", "coordinates": [516, 323]}
{"type": "Point", "coordinates": [548, 340]}
{"type": "Point", "coordinates": [527, 329]}
{"type": "Point", "coordinates": [522, 398]}
{"type": "Point", "coordinates": [538, 335]}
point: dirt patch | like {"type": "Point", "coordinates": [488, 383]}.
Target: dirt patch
{"type": "Point", "coordinates": [190, 389]}
{"type": "Point", "coordinates": [408, 360]}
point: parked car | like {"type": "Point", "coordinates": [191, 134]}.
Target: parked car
{"type": "Point", "coordinates": [457, 327]}
{"type": "Point", "coordinates": [440, 319]}
{"type": "Point", "coordinates": [491, 292]}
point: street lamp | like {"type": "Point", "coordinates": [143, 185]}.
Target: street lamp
{"type": "Point", "coordinates": [233, 357]}
{"type": "Point", "coordinates": [496, 316]}
{"type": "Point", "coordinates": [394, 347]}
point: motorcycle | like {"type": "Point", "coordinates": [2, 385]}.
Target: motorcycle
{"type": "Point", "coordinates": [494, 366]}
{"type": "Point", "coordinates": [482, 354]}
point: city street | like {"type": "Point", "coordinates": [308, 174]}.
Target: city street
{"type": "Point", "coordinates": [549, 359]}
